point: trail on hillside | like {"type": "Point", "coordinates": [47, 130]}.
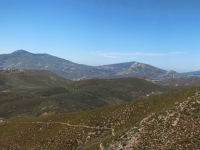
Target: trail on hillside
{"type": "Point", "coordinates": [62, 123]}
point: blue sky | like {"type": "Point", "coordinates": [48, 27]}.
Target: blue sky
{"type": "Point", "coordinates": [162, 33]}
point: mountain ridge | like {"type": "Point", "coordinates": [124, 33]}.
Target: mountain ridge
{"type": "Point", "coordinates": [22, 59]}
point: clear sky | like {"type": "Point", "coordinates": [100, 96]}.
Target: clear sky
{"type": "Point", "coordinates": [162, 33]}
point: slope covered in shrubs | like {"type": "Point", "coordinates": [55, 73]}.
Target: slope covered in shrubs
{"type": "Point", "coordinates": [41, 92]}
{"type": "Point", "coordinates": [108, 127]}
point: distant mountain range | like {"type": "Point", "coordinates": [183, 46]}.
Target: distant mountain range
{"type": "Point", "coordinates": [181, 82]}
{"type": "Point", "coordinates": [192, 74]}
{"type": "Point", "coordinates": [22, 59]}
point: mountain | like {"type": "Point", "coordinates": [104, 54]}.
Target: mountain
{"type": "Point", "coordinates": [169, 121]}
{"type": "Point", "coordinates": [24, 60]}
{"type": "Point", "coordinates": [171, 75]}
{"type": "Point", "coordinates": [136, 69]}
{"type": "Point", "coordinates": [192, 74]}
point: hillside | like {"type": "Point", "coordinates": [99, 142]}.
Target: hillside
{"type": "Point", "coordinates": [42, 92]}
{"type": "Point", "coordinates": [167, 121]}
{"type": "Point", "coordinates": [20, 79]}
{"type": "Point", "coordinates": [174, 128]}
{"type": "Point", "coordinates": [24, 60]}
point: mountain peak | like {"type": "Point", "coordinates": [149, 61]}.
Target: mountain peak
{"type": "Point", "coordinates": [171, 71]}
{"type": "Point", "coordinates": [21, 51]}
{"type": "Point", "coordinates": [137, 64]}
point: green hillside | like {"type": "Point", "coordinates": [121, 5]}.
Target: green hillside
{"type": "Point", "coordinates": [41, 92]}
{"type": "Point", "coordinates": [111, 127]}
{"type": "Point", "coordinates": [23, 79]}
